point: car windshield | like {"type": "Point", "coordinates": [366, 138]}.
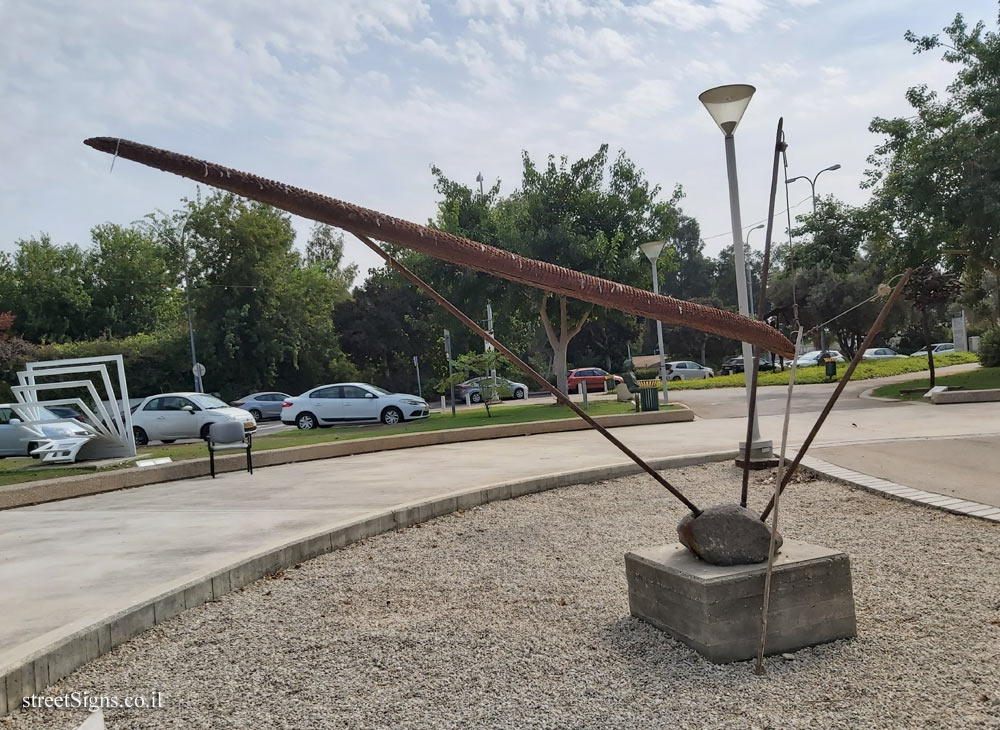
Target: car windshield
{"type": "Point", "coordinates": [380, 391]}
{"type": "Point", "coordinates": [208, 402]}
{"type": "Point", "coordinates": [809, 355]}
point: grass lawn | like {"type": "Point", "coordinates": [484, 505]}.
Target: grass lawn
{"type": "Point", "coordinates": [12, 470]}
{"type": "Point", "coordinates": [982, 379]}
{"type": "Point", "coordinates": [817, 373]}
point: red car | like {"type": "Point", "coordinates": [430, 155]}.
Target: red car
{"type": "Point", "coordinates": [593, 377]}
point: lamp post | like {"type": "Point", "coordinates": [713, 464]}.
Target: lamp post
{"type": "Point", "coordinates": [726, 104]}
{"type": "Point", "coordinates": [749, 278]}
{"type": "Point", "coordinates": [187, 294]}
{"type": "Point", "coordinates": [812, 186]}
{"type": "Point", "coordinates": [652, 250]}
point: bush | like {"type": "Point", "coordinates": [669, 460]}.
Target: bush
{"type": "Point", "coordinates": [989, 348]}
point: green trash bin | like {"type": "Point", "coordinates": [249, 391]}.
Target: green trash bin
{"type": "Point", "coordinates": [831, 367]}
{"type": "Point", "coordinates": [649, 399]}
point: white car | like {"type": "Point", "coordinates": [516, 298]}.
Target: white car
{"type": "Point", "coordinates": [813, 358]}
{"type": "Point", "coordinates": [171, 416]}
{"type": "Point", "coordinates": [938, 348]}
{"type": "Point", "coordinates": [19, 440]}
{"type": "Point", "coordinates": [880, 353]}
{"type": "Point", "coordinates": [688, 370]}
{"type": "Point", "coordinates": [340, 403]}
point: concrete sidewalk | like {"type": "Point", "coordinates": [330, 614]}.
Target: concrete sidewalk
{"type": "Point", "coordinates": [68, 564]}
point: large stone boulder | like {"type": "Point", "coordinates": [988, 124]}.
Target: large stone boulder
{"type": "Point", "coordinates": [727, 535]}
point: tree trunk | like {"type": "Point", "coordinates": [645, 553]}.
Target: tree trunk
{"type": "Point", "coordinates": [704, 342]}
{"type": "Point", "coordinates": [927, 341]}
{"type": "Point", "coordinates": [560, 342]}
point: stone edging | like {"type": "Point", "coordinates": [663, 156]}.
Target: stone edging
{"type": "Point", "coordinates": [892, 490]}
{"type": "Point", "coordinates": [52, 490]}
{"type": "Point", "coordinates": [47, 664]}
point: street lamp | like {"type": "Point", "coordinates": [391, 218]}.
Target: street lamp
{"type": "Point", "coordinates": [652, 250]}
{"type": "Point", "coordinates": [812, 186]}
{"type": "Point", "coordinates": [749, 278]}
{"type": "Point", "coordinates": [726, 104]}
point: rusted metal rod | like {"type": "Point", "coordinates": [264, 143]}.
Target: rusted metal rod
{"type": "Point", "coordinates": [876, 326]}
{"type": "Point", "coordinates": [453, 249]}
{"type": "Point", "coordinates": [524, 367]}
{"type": "Point", "coordinates": [779, 147]}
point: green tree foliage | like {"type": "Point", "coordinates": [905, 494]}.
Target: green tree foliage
{"type": "Point", "coordinates": [989, 348]}
{"type": "Point", "coordinates": [589, 215]}
{"type": "Point", "coordinates": [383, 326]}
{"type": "Point", "coordinates": [936, 174]}
{"type": "Point", "coordinates": [482, 364]}
{"type": "Point", "coordinates": [325, 252]}
{"type": "Point", "coordinates": [46, 290]}
{"type": "Point", "coordinates": [129, 281]}
{"type": "Point", "coordinates": [262, 316]}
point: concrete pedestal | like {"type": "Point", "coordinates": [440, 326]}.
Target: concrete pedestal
{"type": "Point", "coordinates": [716, 610]}
{"type": "Point", "coordinates": [761, 455]}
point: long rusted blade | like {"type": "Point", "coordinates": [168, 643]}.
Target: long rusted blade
{"type": "Point", "coordinates": [876, 326]}
{"type": "Point", "coordinates": [444, 246]}
{"type": "Point", "coordinates": [525, 368]}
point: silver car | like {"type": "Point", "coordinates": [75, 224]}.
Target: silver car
{"type": "Point", "coordinates": [688, 370]}
{"type": "Point", "coordinates": [880, 353]}
{"type": "Point", "coordinates": [506, 389]}
{"type": "Point", "coordinates": [262, 405]}
{"type": "Point", "coordinates": [19, 440]}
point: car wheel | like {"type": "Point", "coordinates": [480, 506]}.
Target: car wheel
{"type": "Point", "coordinates": [204, 431]}
{"type": "Point", "coordinates": [257, 416]}
{"type": "Point", "coordinates": [676, 377]}
{"type": "Point", "coordinates": [306, 421]}
{"type": "Point", "coordinates": [710, 375]}
{"type": "Point", "coordinates": [31, 447]}
{"type": "Point", "coordinates": [141, 439]}
{"type": "Point", "coordinates": [392, 416]}
{"type": "Point", "coordinates": [476, 397]}
{"type": "Point", "coordinates": [519, 394]}
{"type": "Point", "coordinates": [168, 441]}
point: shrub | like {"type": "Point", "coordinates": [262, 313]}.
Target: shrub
{"type": "Point", "coordinates": [989, 348]}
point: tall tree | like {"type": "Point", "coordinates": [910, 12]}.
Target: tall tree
{"type": "Point", "coordinates": [129, 280]}
{"type": "Point", "coordinates": [48, 293]}
{"type": "Point", "coordinates": [936, 174]}
{"type": "Point", "coordinates": [926, 288]}
{"type": "Point", "coordinates": [589, 215]}
{"type": "Point", "coordinates": [325, 251]}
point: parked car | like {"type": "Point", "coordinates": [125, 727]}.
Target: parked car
{"type": "Point", "coordinates": [170, 416]}
{"type": "Point", "coordinates": [735, 365]}
{"type": "Point", "coordinates": [339, 403]}
{"type": "Point", "coordinates": [688, 370]}
{"type": "Point", "coordinates": [67, 412]}
{"type": "Point", "coordinates": [19, 440]}
{"type": "Point", "coordinates": [262, 405]}
{"type": "Point", "coordinates": [880, 353]}
{"type": "Point", "coordinates": [593, 377]}
{"type": "Point", "coordinates": [814, 358]}
{"type": "Point", "coordinates": [508, 389]}
{"type": "Point", "coordinates": [938, 348]}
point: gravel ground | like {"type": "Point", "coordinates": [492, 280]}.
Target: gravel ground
{"type": "Point", "coordinates": [515, 615]}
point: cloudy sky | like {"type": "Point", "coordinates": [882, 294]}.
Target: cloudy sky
{"type": "Point", "coordinates": [357, 98]}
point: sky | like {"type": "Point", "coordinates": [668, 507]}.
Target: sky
{"type": "Point", "coordinates": [356, 99]}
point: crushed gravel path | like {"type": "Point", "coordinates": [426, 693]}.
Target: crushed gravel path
{"type": "Point", "coordinates": [515, 615]}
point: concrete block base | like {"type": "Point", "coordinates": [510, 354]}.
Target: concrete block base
{"type": "Point", "coordinates": [716, 610]}
{"type": "Point", "coordinates": [761, 455]}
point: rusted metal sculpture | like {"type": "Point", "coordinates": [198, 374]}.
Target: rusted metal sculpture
{"type": "Point", "coordinates": [446, 247]}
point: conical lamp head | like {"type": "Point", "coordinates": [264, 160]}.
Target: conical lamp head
{"type": "Point", "coordinates": [652, 249]}
{"type": "Point", "coordinates": [726, 104]}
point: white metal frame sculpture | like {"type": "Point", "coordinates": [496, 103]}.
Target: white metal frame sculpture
{"type": "Point", "coordinates": [105, 433]}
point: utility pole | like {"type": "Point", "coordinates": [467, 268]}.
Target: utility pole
{"type": "Point", "coordinates": [195, 370]}
{"type": "Point", "coordinates": [489, 328]}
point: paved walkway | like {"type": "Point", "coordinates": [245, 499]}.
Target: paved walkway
{"type": "Point", "coordinates": [67, 564]}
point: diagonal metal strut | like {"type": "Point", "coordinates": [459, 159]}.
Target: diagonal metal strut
{"type": "Point", "coordinates": [524, 367]}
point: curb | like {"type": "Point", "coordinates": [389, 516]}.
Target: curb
{"type": "Point", "coordinates": [892, 490]}
{"type": "Point", "coordinates": [53, 490]}
{"type": "Point", "coordinates": [78, 644]}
